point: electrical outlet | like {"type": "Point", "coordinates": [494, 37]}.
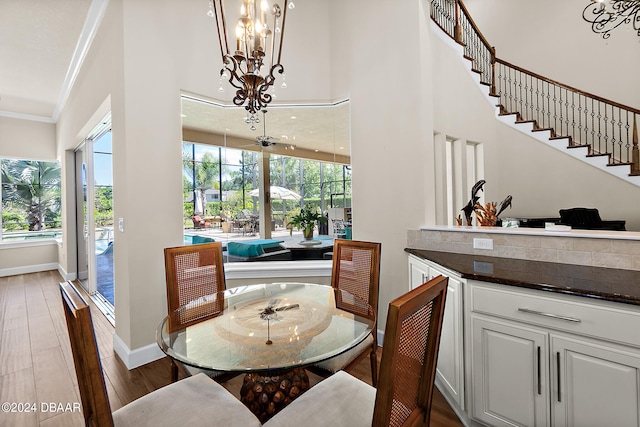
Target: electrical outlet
{"type": "Point", "coordinates": [121, 224]}
{"type": "Point", "coordinates": [483, 244]}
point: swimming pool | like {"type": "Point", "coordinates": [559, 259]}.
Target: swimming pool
{"type": "Point", "coordinates": [28, 235]}
{"type": "Point", "coordinates": [194, 240]}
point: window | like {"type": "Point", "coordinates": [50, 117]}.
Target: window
{"type": "Point", "coordinates": [217, 179]}
{"type": "Point", "coordinates": [31, 205]}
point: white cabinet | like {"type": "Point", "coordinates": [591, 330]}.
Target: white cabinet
{"type": "Point", "coordinates": [450, 369]}
{"type": "Point", "coordinates": [510, 370]}
{"type": "Point", "coordinates": [540, 359]}
{"type": "Point", "coordinates": [595, 384]}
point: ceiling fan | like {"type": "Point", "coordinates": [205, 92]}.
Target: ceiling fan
{"type": "Point", "coordinates": [266, 141]}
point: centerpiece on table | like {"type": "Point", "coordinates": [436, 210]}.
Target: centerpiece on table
{"type": "Point", "coordinates": [306, 220]}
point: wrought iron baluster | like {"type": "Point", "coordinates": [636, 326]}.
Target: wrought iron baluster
{"type": "Point", "coordinates": [539, 123]}
{"type": "Point", "coordinates": [613, 133]}
{"type": "Point", "coordinates": [566, 113]}
{"type": "Point", "coordinates": [598, 122]}
{"type": "Point", "coordinates": [573, 116]}
{"type": "Point", "coordinates": [560, 108]}
{"type": "Point", "coordinates": [580, 128]}
{"type": "Point", "coordinates": [593, 125]}
{"type": "Point", "coordinates": [627, 126]}
{"type": "Point", "coordinates": [519, 74]}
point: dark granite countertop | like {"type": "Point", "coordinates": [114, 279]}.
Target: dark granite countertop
{"type": "Point", "coordinates": [608, 284]}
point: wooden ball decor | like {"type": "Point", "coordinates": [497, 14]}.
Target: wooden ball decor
{"type": "Point", "coordinates": [266, 395]}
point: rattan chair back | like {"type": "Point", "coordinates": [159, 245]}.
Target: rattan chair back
{"type": "Point", "coordinates": [93, 390]}
{"type": "Point", "coordinates": [356, 270]}
{"type": "Point", "coordinates": [409, 356]}
{"type": "Point", "coordinates": [194, 278]}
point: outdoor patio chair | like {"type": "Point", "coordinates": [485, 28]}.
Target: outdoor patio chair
{"type": "Point", "coordinates": [407, 372]}
{"type": "Point", "coordinates": [198, 222]}
{"type": "Point", "coordinates": [356, 269]}
{"type": "Point", "coordinates": [197, 400]}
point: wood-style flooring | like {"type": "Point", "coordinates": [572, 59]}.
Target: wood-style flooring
{"type": "Point", "coordinates": [37, 377]}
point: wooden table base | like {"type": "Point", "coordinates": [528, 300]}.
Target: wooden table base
{"type": "Point", "coordinates": [265, 395]}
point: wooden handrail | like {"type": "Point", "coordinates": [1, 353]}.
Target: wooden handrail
{"type": "Point", "coordinates": [629, 156]}
{"type": "Point", "coordinates": [475, 27]}
{"type": "Point", "coordinates": [556, 83]}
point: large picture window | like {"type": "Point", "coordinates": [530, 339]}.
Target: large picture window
{"type": "Point", "coordinates": [217, 181]}
{"type": "Point", "coordinates": [31, 205]}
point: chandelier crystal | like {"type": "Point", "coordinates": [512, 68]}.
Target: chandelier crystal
{"type": "Point", "coordinates": [607, 15]}
{"type": "Point", "coordinates": [252, 66]}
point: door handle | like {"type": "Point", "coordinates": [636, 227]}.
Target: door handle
{"type": "Point", "coordinates": [554, 316]}
{"type": "Point", "coordinates": [539, 373]}
{"type": "Point", "coordinates": [558, 374]}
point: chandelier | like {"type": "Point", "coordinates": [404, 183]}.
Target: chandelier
{"type": "Point", "coordinates": [607, 15]}
{"type": "Point", "coordinates": [251, 67]}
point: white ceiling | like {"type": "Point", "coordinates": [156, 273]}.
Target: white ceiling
{"type": "Point", "coordinates": [40, 44]}
{"type": "Point", "coordinates": [323, 128]}
{"type": "Point", "coordinates": [43, 44]}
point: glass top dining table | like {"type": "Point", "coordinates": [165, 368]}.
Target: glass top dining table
{"type": "Point", "coordinates": [256, 328]}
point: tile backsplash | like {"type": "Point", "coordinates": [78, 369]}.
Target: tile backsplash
{"type": "Point", "coordinates": [600, 251]}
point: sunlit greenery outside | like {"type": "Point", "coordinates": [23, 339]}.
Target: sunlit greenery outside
{"type": "Point", "coordinates": [31, 200]}
{"type": "Point", "coordinates": [221, 178]}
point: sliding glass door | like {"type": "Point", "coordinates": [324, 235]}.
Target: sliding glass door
{"type": "Point", "coordinates": [94, 195]}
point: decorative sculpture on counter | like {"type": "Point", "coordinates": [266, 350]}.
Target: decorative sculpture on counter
{"type": "Point", "coordinates": [486, 215]}
{"type": "Point", "coordinates": [506, 203]}
{"type": "Point", "coordinates": [468, 210]}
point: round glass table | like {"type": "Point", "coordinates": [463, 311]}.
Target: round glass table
{"type": "Point", "coordinates": [269, 332]}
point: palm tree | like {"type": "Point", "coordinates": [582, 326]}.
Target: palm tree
{"type": "Point", "coordinates": [33, 187]}
{"type": "Point", "coordinates": [202, 175]}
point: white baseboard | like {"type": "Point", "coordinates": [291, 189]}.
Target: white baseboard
{"type": "Point", "coordinates": [138, 357]}
{"type": "Point", "coordinates": [66, 276]}
{"type": "Point", "coordinates": [27, 269]}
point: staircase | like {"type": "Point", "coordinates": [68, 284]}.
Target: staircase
{"type": "Point", "coordinates": [595, 130]}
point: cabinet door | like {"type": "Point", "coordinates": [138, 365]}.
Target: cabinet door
{"type": "Point", "coordinates": [509, 365]}
{"type": "Point", "coordinates": [418, 272]}
{"type": "Point", "coordinates": [449, 371]}
{"type": "Point", "coordinates": [594, 384]}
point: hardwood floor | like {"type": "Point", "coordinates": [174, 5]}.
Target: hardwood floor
{"type": "Point", "coordinates": [36, 367]}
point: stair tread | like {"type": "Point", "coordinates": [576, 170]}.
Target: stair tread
{"type": "Point", "coordinates": [620, 164]}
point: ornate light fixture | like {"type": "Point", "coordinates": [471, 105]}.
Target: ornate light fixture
{"type": "Point", "coordinates": [607, 15]}
{"type": "Point", "coordinates": [258, 46]}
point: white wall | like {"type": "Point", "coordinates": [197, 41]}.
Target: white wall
{"type": "Point", "coordinates": [380, 56]}
{"type": "Point", "coordinates": [541, 179]}
{"type": "Point", "coordinates": [16, 259]}
{"type": "Point", "coordinates": [26, 139]}
{"type": "Point", "coordinates": [147, 53]}
{"type": "Point", "coordinates": [550, 38]}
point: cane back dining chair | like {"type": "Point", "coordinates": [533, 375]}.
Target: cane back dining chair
{"type": "Point", "coordinates": [356, 269]}
{"type": "Point", "coordinates": [194, 274]}
{"type": "Point", "coordinates": [197, 400]}
{"type": "Point", "coordinates": [407, 372]}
